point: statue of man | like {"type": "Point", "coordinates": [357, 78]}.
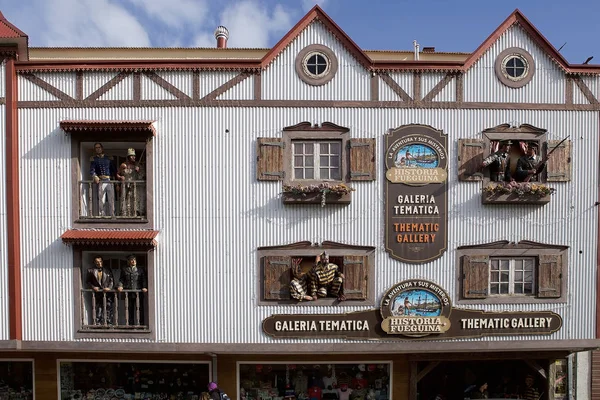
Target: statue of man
{"type": "Point", "coordinates": [100, 280]}
{"type": "Point", "coordinates": [326, 279]}
{"type": "Point", "coordinates": [527, 165]}
{"type": "Point", "coordinates": [102, 171]}
{"type": "Point", "coordinates": [499, 163]}
{"type": "Point", "coordinates": [134, 278]}
{"type": "Point", "coordinates": [132, 191]}
{"type": "Point", "coordinates": [300, 282]}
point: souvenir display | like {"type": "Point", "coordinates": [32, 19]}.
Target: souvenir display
{"type": "Point", "coordinates": [314, 381]}
{"type": "Point", "coordinates": [16, 380]}
{"type": "Point", "coordinates": [132, 381]}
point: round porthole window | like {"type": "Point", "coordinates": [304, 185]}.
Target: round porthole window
{"type": "Point", "coordinates": [316, 64]}
{"type": "Point", "coordinates": [514, 67]}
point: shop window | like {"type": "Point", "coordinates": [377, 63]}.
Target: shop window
{"type": "Point", "coordinates": [504, 160]}
{"type": "Point", "coordinates": [310, 380]}
{"type": "Point", "coordinates": [506, 272]}
{"type": "Point", "coordinates": [316, 163]}
{"type": "Point", "coordinates": [112, 172]}
{"type": "Point", "coordinates": [289, 274]}
{"type": "Point", "coordinates": [16, 379]}
{"type": "Point", "coordinates": [114, 291]}
{"type": "Point", "coordinates": [133, 379]}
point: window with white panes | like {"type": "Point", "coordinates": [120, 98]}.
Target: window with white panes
{"type": "Point", "coordinates": [512, 276]}
{"type": "Point", "coordinates": [317, 160]}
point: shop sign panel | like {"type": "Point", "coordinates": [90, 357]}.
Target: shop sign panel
{"type": "Point", "coordinates": [416, 199]}
{"type": "Point", "coordinates": [413, 310]}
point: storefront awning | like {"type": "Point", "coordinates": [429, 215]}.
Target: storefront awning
{"type": "Point", "coordinates": [87, 126]}
{"type": "Point", "coordinates": [109, 237]}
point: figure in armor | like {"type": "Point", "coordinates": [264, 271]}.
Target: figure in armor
{"type": "Point", "coordinates": [499, 163]}
{"type": "Point", "coordinates": [130, 174]}
{"type": "Point", "coordinates": [133, 277]}
{"type": "Point", "coordinates": [326, 279]}
{"type": "Point", "coordinates": [300, 282]}
{"type": "Point", "coordinates": [102, 171]}
{"type": "Point", "coordinates": [527, 165]}
{"type": "Point", "coordinates": [101, 281]}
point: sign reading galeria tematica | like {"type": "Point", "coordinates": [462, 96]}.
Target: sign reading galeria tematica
{"type": "Point", "coordinates": [416, 193]}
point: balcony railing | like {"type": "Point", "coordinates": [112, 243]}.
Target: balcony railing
{"type": "Point", "coordinates": [112, 200]}
{"type": "Point", "coordinates": [113, 310]}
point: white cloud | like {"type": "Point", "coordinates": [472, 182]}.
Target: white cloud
{"type": "Point", "coordinates": [308, 4]}
{"type": "Point", "coordinates": [250, 24]}
{"type": "Point", "coordinates": [174, 13]}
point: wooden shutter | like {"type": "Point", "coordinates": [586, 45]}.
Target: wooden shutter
{"type": "Point", "coordinates": [470, 157]}
{"type": "Point", "coordinates": [550, 276]}
{"type": "Point", "coordinates": [355, 277]}
{"type": "Point", "coordinates": [475, 276]}
{"type": "Point", "coordinates": [278, 274]}
{"type": "Point", "coordinates": [362, 159]}
{"type": "Point", "coordinates": [269, 159]}
{"type": "Point", "coordinates": [595, 395]}
{"type": "Point", "coordinates": [558, 168]}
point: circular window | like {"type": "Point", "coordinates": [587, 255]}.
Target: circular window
{"type": "Point", "coordinates": [316, 65]}
{"type": "Point", "coordinates": [514, 67]}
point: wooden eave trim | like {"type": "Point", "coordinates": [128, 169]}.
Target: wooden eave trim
{"type": "Point", "coordinates": [316, 13]}
{"type": "Point", "coordinates": [508, 245]}
{"type": "Point", "coordinates": [102, 126]}
{"type": "Point", "coordinates": [324, 127]}
{"type": "Point", "coordinates": [136, 65]}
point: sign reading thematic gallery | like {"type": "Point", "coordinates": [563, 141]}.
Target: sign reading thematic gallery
{"type": "Point", "coordinates": [413, 309]}
{"type": "Point", "coordinates": [416, 202]}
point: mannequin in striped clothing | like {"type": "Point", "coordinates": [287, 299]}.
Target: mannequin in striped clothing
{"type": "Point", "coordinates": [326, 279]}
{"type": "Point", "coordinates": [299, 285]}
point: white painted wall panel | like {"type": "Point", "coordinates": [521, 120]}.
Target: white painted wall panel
{"type": "Point", "coordinates": [63, 81]}
{"type": "Point", "coordinates": [152, 91]}
{"type": "Point", "coordinates": [4, 299]}
{"type": "Point", "coordinates": [592, 82]}
{"type": "Point", "coordinates": [578, 97]}
{"type": "Point", "coordinates": [546, 86]}
{"type": "Point", "coordinates": [28, 91]}
{"type": "Point", "coordinates": [223, 211]}
{"type": "Point", "coordinates": [280, 81]}
{"type": "Point", "coordinates": [3, 79]}
{"type": "Point", "coordinates": [448, 93]}
{"type": "Point", "coordinates": [242, 91]}
{"type": "Point", "coordinates": [121, 91]}
{"type": "Point", "coordinates": [93, 81]}
{"type": "Point", "coordinates": [429, 80]}
{"type": "Point", "coordinates": [182, 80]}
{"type": "Point", "coordinates": [211, 80]}
{"type": "Point", "coordinates": [405, 80]}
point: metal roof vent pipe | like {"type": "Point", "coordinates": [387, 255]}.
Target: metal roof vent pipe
{"type": "Point", "coordinates": [416, 46]}
{"type": "Point", "coordinates": [221, 34]}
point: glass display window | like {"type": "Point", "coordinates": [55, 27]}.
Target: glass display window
{"type": "Point", "coordinates": [16, 380]}
{"type": "Point", "coordinates": [149, 380]}
{"type": "Point", "coordinates": [315, 381]}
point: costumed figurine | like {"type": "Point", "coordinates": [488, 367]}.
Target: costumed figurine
{"type": "Point", "coordinates": [300, 282]}
{"type": "Point", "coordinates": [326, 279]}
{"type": "Point", "coordinates": [133, 277]}
{"type": "Point", "coordinates": [102, 171]}
{"type": "Point", "coordinates": [100, 280]}
{"type": "Point", "coordinates": [132, 193]}
{"type": "Point", "coordinates": [499, 162]}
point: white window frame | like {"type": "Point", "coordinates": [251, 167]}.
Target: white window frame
{"type": "Point", "coordinates": [511, 276]}
{"type": "Point", "coordinates": [317, 160]}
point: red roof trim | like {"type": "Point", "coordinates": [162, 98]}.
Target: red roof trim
{"type": "Point", "coordinates": [102, 125]}
{"type": "Point", "coordinates": [9, 29]}
{"type": "Point", "coordinates": [317, 13]}
{"type": "Point", "coordinates": [109, 237]}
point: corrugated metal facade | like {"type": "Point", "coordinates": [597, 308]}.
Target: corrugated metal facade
{"type": "Point", "coordinates": [65, 82]}
{"type": "Point", "coordinates": [281, 82]}
{"type": "Point", "coordinates": [547, 85]}
{"type": "Point", "coordinates": [213, 214]}
{"type": "Point", "coordinates": [4, 300]}
{"type": "Point", "coordinates": [404, 80]}
{"type": "Point", "coordinates": [152, 91]}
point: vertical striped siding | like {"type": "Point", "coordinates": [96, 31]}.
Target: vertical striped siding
{"type": "Point", "coordinates": [546, 86]}
{"type": "Point", "coordinates": [64, 81]}
{"type": "Point", "coordinates": [182, 80]}
{"type": "Point", "coordinates": [242, 91]}
{"type": "Point", "coordinates": [121, 91]}
{"type": "Point", "coordinates": [152, 91]}
{"type": "Point", "coordinates": [211, 80]}
{"type": "Point", "coordinates": [4, 299]}
{"type": "Point", "coordinates": [213, 214]}
{"type": "Point", "coordinates": [2, 79]}
{"type": "Point", "coordinates": [93, 81]}
{"type": "Point", "coordinates": [281, 82]}
{"type": "Point", "coordinates": [28, 91]}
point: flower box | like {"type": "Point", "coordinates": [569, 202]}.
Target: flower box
{"type": "Point", "coordinates": [516, 193]}
{"type": "Point", "coordinates": [323, 193]}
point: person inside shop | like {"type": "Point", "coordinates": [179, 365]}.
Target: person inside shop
{"type": "Point", "coordinates": [101, 281]}
{"type": "Point", "coordinates": [215, 393]}
{"type": "Point", "coordinates": [480, 391]}
{"type": "Point", "coordinates": [505, 388]}
{"type": "Point", "coordinates": [530, 391]}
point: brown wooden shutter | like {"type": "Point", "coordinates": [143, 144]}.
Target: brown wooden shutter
{"type": "Point", "coordinates": [269, 159]}
{"type": "Point", "coordinates": [362, 159]}
{"type": "Point", "coordinates": [595, 395]}
{"type": "Point", "coordinates": [475, 276]}
{"type": "Point", "coordinates": [278, 274]}
{"type": "Point", "coordinates": [470, 157]}
{"type": "Point", "coordinates": [355, 277]}
{"type": "Point", "coordinates": [558, 168]}
{"type": "Point", "coordinates": [550, 276]}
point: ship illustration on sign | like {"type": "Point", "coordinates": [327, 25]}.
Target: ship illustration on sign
{"type": "Point", "coordinates": [416, 156]}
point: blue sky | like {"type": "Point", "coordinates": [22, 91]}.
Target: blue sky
{"type": "Point", "coordinates": [457, 25]}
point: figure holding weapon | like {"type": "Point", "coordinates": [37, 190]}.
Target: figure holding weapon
{"type": "Point", "coordinates": [530, 166]}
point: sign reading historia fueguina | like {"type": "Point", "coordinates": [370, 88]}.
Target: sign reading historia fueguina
{"type": "Point", "coordinates": [416, 310]}
{"type": "Point", "coordinates": [416, 204]}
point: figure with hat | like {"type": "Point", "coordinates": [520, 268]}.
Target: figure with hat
{"type": "Point", "coordinates": [132, 192]}
{"type": "Point", "coordinates": [499, 162]}
{"type": "Point", "coordinates": [133, 278]}
{"type": "Point", "coordinates": [527, 165]}
{"type": "Point", "coordinates": [326, 279]}
{"type": "Point", "coordinates": [102, 170]}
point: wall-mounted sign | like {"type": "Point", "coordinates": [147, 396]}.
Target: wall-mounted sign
{"type": "Point", "coordinates": [416, 203]}
{"type": "Point", "coordinates": [414, 310]}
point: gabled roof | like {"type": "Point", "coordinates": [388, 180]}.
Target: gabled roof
{"type": "Point", "coordinates": [317, 14]}
{"type": "Point", "coordinates": [517, 17]}
{"type": "Point", "coordinates": [11, 35]}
